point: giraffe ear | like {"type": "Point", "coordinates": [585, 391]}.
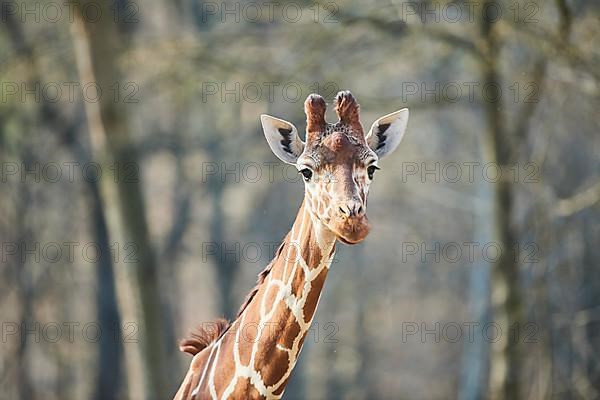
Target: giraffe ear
{"type": "Point", "coordinates": [283, 138]}
{"type": "Point", "coordinates": [387, 132]}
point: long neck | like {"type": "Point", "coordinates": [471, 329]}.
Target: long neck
{"type": "Point", "coordinates": [256, 356]}
{"type": "Point", "coordinates": [285, 304]}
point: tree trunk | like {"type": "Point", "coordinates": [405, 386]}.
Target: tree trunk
{"type": "Point", "coordinates": [506, 297]}
{"type": "Point", "coordinates": [476, 351]}
{"type": "Point", "coordinates": [25, 294]}
{"type": "Point", "coordinates": [98, 46]}
{"type": "Point", "coordinates": [108, 379]}
{"type": "Point", "coordinates": [226, 254]}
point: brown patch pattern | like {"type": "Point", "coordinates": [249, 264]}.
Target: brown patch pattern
{"type": "Point", "coordinates": [253, 358]}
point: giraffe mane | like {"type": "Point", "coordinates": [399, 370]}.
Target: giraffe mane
{"type": "Point", "coordinates": [203, 336]}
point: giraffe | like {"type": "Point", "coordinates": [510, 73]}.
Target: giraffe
{"type": "Point", "coordinates": [253, 356]}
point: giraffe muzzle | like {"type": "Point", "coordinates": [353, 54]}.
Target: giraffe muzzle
{"type": "Point", "coordinates": [351, 224]}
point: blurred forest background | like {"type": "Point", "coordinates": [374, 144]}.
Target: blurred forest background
{"type": "Point", "coordinates": [139, 197]}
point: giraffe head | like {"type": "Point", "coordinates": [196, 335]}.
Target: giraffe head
{"type": "Point", "coordinates": [337, 161]}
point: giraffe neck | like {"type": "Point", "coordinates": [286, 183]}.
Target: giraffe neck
{"type": "Point", "coordinates": [256, 356]}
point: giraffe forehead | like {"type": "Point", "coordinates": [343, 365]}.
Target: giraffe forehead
{"type": "Point", "coordinates": [339, 149]}
{"type": "Point", "coordinates": [337, 142]}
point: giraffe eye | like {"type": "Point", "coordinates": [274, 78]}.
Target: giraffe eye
{"type": "Point", "coordinates": [306, 174]}
{"type": "Point", "coordinates": [371, 170]}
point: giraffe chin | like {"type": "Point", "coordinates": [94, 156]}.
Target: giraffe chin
{"type": "Point", "coordinates": [351, 230]}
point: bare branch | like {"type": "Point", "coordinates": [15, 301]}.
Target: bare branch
{"type": "Point", "coordinates": [574, 204]}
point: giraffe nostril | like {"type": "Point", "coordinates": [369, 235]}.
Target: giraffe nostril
{"type": "Point", "coordinates": [352, 209]}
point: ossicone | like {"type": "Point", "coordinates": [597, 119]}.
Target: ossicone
{"type": "Point", "coordinates": [347, 108]}
{"type": "Point", "coordinates": [315, 108]}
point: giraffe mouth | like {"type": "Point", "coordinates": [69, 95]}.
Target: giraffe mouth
{"type": "Point", "coordinates": [341, 239]}
{"type": "Point", "coordinates": [351, 230]}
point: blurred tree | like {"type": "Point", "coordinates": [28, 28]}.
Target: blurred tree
{"type": "Point", "coordinates": [226, 258]}
{"type": "Point", "coordinates": [505, 287]}
{"type": "Point", "coordinates": [109, 368]}
{"type": "Point", "coordinates": [25, 285]}
{"type": "Point", "coordinates": [504, 146]}
{"type": "Point", "coordinates": [98, 45]}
